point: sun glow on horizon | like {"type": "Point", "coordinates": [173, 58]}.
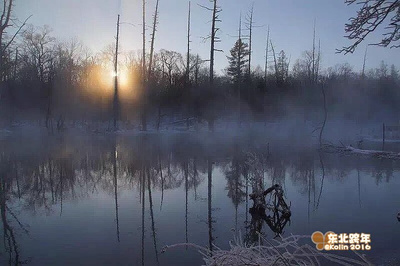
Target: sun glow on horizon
{"type": "Point", "coordinates": [122, 75]}
{"type": "Point", "coordinates": [100, 84]}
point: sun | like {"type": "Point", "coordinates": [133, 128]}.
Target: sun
{"type": "Point", "coordinates": [122, 77]}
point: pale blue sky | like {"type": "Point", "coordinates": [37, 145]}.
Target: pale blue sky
{"type": "Point", "coordinates": [291, 25]}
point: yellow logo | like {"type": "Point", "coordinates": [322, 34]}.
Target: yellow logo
{"type": "Point", "coordinates": [320, 239]}
{"type": "Point", "coordinates": [343, 241]}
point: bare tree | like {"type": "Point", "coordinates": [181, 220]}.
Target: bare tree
{"type": "Point", "coordinates": [213, 35]}
{"type": "Point", "coordinates": [266, 58]}
{"type": "Point", "coordinates": [6, 22]}
{"type": "Point", "coordinates": [249, 26]}
{"type": "Point", "coordinates": [39, 47]}
{"type": "Point", "coordinates": [275, 61]}
{"type": "Point", "coordinates": [153, 35]}
{"type": "Point", "coordinates": [172, 65]}
{"type": "Point", "coordinates": [214, 39]}
{"type": "Point", "coordinates": [369, 17]}
{"type": "Point", "coordinates": [144, 100]}
{"type": "Point", "coordinates": [364, 60]}
{"type": "Point", "coordinates": [313, 57]}
{"type": "Point", "coordinates": [116, 103]}
{"type": "Point", "coordinates": [187, 78]}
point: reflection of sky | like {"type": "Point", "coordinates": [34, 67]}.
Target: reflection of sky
{"type": "Point", "coordinates": [291, 24]}
{"type": "Point", "coordinates": [86, 231]}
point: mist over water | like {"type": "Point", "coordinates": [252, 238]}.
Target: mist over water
{"type": "Point", "coordinates": [82, 199]}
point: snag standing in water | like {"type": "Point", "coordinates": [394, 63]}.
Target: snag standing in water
{"type": "Point", "coordinates": [281, 211]}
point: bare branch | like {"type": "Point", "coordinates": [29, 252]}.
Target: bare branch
{"type": "Point", "coordinates": [370, 16]}
{"type": "Point", "coordinates": [17, 32]}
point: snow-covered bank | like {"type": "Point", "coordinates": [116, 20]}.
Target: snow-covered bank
{"type": "Point", "coordinates": [286, 251]}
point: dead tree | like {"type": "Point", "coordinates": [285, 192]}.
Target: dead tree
{"type": "Point", "coordinates": [266, 58]}
{"type": "Point", "coordinates": [317, 66]}
{"type": "Point", "coordinates": [364, 60]}
{"type": "Point", "coordinates": [116, 103]}
{"type": "Point", "coordinates": [214, 39]}
{"type": "Point", "coordinates": [325, 114]}
{"type": "Point", "coordinates": [313, 57]}
{"type": "Point", "coordinates": [369, 17]}
{"type": "Point", "coordinates": [187, 71]}
{"type": "Point", "coordinates": [249, 25]}
{"type": "Point", "coordinates": [144, 81]}
{"type": "Point", "coordinates": [153, 34]}
{"type": "Point", "coordinates": [275, 62]}
{"type": "Point", "coordinates": [239, 63]}
{"type": "Point", "coordinates": [188, 50]}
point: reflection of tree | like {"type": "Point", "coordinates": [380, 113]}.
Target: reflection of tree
{"type": "Point", "coordinates": [383, 171]}
{"type": "Point", "coordinates": [143, 198]}
{"type": "Point", "coordinates": [209, 201]}
{"type": "Point", "coordinates": [322, 178]}
{"type": "Point", "coordinates": [116, 189]}
{"type": "Point", "coordinates": [235, 182]}
{"type": "Point", "coordinates": [10, 242]}
{"type": "Point", "coordinates": [186, 173]}
{"type": "Point", "coordinates": [303, 174]}
{"type": "Point", "coordinates": [277, 170]}
{"type": "Point", "coordinates": [153, 228]}
{"type": "Point", "coordinates": [49, 183]}
{"type": "Point", "coordinates": [9, 235]}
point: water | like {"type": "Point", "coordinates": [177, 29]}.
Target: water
{"type": "Point", "coordinates": [120, 200]}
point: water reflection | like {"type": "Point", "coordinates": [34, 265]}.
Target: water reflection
{"type": "Point", "coordinates": [39, 184]}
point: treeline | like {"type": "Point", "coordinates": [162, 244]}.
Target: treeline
{"type": "Point", "coordinates": [44, 78]}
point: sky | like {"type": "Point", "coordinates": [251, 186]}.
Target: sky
{"type": "Point", "coordinates": [93, 22]}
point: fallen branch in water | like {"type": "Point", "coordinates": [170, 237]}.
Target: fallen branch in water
{"type": "Point", "coordinates": [349, 150]}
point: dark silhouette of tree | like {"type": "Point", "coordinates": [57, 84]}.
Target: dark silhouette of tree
{"type": "Point", "coordinates": [249, 26]}
{"type": "Point", "coordinates": [144, 78]}
{"type": "Point", "coordinates": [369, 17]}
{"type": "Point", "coordinates": [187, 74]}
{"type": "Point", "coordinates": [153, 35]}
{"type": "Point", "coordinates": [116, 100]}
{"type": "Point", "coordinates": [6, 22]}
{"type": "Point", "coordinates": [39, 50]}
{"type": "Point", "coordinates": [213, 40]}
{"type": "Point", "coordinates": [282, 68]}
{"type": "Point", "coordinates": [238, 61]}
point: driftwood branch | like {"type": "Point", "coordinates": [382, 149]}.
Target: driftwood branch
{"type": "Point", "coordinates": [349, 150]}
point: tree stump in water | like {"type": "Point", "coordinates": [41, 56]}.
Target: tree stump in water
{"type": "Point", "coordinates": [279, 213]}
{"type": "Point", "coordinates": [279, 203]}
